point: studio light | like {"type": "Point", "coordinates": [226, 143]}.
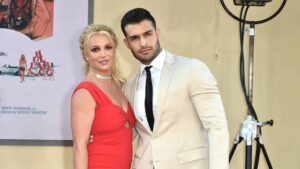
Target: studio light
{"type": "Point", "coordinates": [251, 127]}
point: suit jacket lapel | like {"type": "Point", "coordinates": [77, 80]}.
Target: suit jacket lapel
{"type": "Point", "coordinates": [132, 91]}
{"type": "Point", "coordinates": [163, 87]}
{"type": "Point", "coordinates": [132, 101]}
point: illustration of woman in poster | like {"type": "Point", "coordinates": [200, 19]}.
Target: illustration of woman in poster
{"type": "Point", "coordinates": [33, 18]}
{"type": "Point", "coordinates": [22, 67]}
{"type": "Point", "coordinates": [50, 71]}
{"type": "Point", "coordinates": [4, 13]}
{"type": "Point", "coordinates": [40, 26]}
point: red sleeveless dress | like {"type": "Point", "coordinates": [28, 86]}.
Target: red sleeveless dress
{"type": "Point", "coordinates": [112, 144]}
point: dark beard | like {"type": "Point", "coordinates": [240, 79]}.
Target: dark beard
{"type": "Point", "coordinates": [158, 49]}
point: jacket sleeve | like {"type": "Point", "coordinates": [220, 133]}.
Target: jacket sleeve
{"type": "Point", "coordinates": [207, 102]}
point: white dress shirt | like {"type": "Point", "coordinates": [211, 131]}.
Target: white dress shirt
{"type": "Point", "coordinates": [157, 66]}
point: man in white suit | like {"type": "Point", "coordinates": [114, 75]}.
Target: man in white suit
{"type": "Point", "coordinates": [187, 128]}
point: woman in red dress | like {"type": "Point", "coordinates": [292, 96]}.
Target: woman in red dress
{"type": "Point", "coordinates": [99, 107]}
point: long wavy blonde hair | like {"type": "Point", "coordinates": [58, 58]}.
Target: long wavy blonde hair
{"type": "Point", "coordinates": [85, 37]}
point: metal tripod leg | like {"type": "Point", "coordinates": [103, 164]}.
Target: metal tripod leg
{"type": "Point", "coordinates": [261, 146]}
{"type": "Point", "coordinates": [257, 155]}
{"type": "Point", "coordinates": [248, 164]}
{"type": "Point", "coordinates": [238, 140]}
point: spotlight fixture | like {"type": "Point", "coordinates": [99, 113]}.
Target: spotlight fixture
{"type": "Point", "coordinates": [251, 127]}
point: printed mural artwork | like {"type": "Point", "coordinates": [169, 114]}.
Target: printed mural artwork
{"type": "Point", "coordinates": [40, 62]}
{"type": "Point", "coordinates": [34, 18]}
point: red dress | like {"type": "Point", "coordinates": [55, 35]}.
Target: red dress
{"type": "Point", "coordinates": [112, 144]}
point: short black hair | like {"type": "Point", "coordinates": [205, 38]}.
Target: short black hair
{"type": "Point", "coordinates": [136, 15]}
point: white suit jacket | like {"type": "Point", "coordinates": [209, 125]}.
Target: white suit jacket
{"type": "Point", "coordinates": [190, 129]}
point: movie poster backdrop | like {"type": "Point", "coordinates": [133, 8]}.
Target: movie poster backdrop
{"type": "Point", "coordinates": [40, 64]}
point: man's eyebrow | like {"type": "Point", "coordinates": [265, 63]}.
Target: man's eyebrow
{"type": "Point", "coordinates": [149, 31]}
{"type": "Point", "coordinates": [135, 36]}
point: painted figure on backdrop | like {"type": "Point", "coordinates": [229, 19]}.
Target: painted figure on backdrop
{"type": "Point", "coordinates": [50, 71]}
{"type": "Point", "coordinates": [22, 68]}
{"type": "Point", "coordinates": [33, 18]}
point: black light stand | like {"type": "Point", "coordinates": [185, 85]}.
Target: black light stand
{"type": "Point", "coordinates": [251, 127]}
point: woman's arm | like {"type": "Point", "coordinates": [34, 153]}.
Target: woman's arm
{"type": "Point", "coordinates": [83, 111]}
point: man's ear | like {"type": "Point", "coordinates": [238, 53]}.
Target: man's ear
{"type": "Point", "coordinates": [126, 42]}
{"type": "Point", "coordinates": [158, 32]}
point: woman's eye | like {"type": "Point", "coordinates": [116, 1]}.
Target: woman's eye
{"type": "Point", "coordinates": [95, 49]}
{"type": "Point", "coordinates": [108, 47]}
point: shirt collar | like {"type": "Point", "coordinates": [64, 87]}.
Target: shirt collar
{"type": "Point", "coordinates": [157, 63]}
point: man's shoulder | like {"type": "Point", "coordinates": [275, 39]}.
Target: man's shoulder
{"type": "Point", "coordinates": [185, 60]}
{"type": "Point", "coordinates": [133, 76]}
{"type": "Point", "coordinates": [131, 79]}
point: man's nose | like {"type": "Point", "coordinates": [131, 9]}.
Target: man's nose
{"type": "Point", "coordinates": [143, 41]}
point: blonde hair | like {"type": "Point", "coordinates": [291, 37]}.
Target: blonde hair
{"type": "Point", "coordinates": [22, 59]}
{"type": "Point", "coordinates": [85, 37]}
